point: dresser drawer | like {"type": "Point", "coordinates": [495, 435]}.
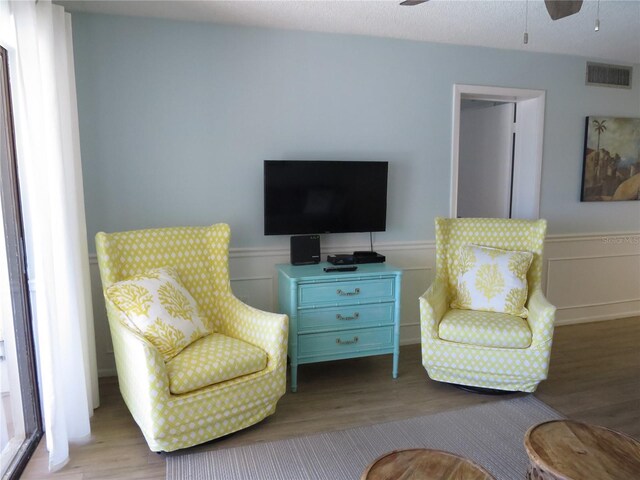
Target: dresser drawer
{"type": "Point", "coordinates": [345, 343]}
{"type": "Point", "coordinates": [356, 291]}
{"type": "Point", "coordinates": [345, 317]}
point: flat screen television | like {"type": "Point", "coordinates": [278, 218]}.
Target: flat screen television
{"type": "Point", "coordinates": [304, 197]}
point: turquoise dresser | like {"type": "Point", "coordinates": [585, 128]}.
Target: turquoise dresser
{"type": "Point", "coordinates": [340, 315]}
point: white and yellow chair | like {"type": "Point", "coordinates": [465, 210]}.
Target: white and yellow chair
{"type": "Point", "coordinates": [486, 349]}
{"type": "Point", "coordinates": [232, 371]}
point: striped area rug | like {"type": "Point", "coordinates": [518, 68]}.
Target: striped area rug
{"type": "Point", "coordinates": [490, 434]}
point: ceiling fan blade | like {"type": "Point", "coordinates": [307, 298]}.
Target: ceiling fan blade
{"type": "Point", "coordinates": [411, 3]}
{"type": "Point", "coordinates": [562, 8]}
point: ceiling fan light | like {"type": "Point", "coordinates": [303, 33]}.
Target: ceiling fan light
{"type": "Point", "coordinates": [526, 22]}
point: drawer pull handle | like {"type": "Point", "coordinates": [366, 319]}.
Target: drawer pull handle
{"type": "Point", "coordinates": [347, 342]}
{"type": "Point", "coordinates": [355, 316]}
{"type": "Point", "coordinates": [342, 293]}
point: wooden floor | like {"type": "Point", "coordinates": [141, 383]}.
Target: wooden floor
{"type": "Point", "coordinates": [594, 377]}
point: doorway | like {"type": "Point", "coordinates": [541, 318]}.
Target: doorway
{"type": "Point", "coordinates": [487, 131]}
{"type": "Point", "coordinates": [497, 152]}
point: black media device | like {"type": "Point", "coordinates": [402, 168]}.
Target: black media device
{"type": "Point", "coordinates": [364, 253]}
{"type": "Point", "coordinates": [315, 197]}
{"type": "Point", "coordinates": [368, 257]}
{"type": "Point", "coordinates": [340, 259]}
{"type": "Point", "coordinates": [356, 258]}
{"type": "Point", "coordinates": [305, 249]}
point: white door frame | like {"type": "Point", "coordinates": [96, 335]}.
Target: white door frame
{"type": "Point", "coordinates": [527, 169]}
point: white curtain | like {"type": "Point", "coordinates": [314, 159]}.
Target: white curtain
{"type": "Point", "coordinates": [38, 38]}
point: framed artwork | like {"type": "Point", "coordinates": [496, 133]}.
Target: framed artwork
{"type": "Point", "coordinates": [611, 169]}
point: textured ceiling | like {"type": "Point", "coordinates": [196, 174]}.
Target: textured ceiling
{"type": "Point", "coordinates": [489, 23]}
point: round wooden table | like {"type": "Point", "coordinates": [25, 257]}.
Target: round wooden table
{"type": "Point", "coordinates": [568, 450]}
{"type": "Point", "coordinates": [423, 464]}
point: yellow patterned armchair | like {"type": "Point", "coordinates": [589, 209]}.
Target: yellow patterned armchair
{"type": "Point", "coordinates": [485, 349]}
{"type": "Point", "coordinates": [222, 382]}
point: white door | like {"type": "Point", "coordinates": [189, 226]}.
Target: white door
{"type": "Point", "coordinates": [485, 160]}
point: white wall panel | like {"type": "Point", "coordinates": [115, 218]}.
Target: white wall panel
{"type": "Point", "coordinates": [594, 277]}
{"type": "Point", "coordinates": [588, 278]}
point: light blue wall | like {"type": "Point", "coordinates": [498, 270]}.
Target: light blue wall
{"type": "Point", "coordinates": [176, 119]}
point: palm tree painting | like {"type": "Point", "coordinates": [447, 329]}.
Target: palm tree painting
{"type": "Point", "coordinates": [611, 169]}
{"type": "Point", "coordinates": [599, 126]}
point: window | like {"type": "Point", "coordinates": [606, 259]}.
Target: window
{"type": "Point", "coordinates": [20, 422]}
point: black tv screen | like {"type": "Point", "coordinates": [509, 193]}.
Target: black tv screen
{"type": "Point", "coordinates": [303, 197]}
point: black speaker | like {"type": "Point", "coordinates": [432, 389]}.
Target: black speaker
{"type": "Point", "coordinates": [305, 249]}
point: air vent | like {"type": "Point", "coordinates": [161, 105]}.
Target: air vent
{"type": "Point", "coordinates": [604, 75]}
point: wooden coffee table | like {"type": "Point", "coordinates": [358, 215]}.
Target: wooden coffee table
{"type": "Point", "coordinates": [568, 450]}
{"type": "Point", "coordinates": [424, 464]}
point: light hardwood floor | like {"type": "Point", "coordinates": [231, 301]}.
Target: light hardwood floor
{"type": "Point", "coordinates": [594, 377]}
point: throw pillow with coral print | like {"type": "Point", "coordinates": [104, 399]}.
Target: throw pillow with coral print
{"type": "Point", "coordinates": [161, 309]}
{"type": "Point", "coordinates": [492, 280]}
